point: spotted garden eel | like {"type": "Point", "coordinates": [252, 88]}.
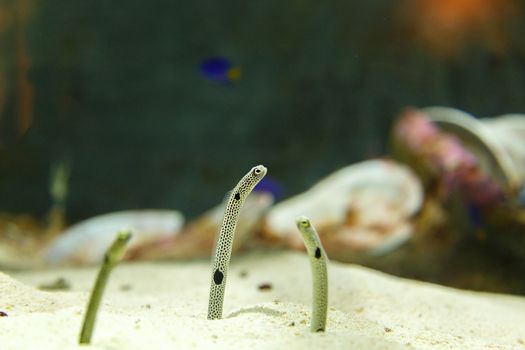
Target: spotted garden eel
{"type": "Point", "coordinates": [318, 262]}
{"type": "Point", "coordinates": [223, 248]}
{"type": "Point", "coordinates": [111, 258]}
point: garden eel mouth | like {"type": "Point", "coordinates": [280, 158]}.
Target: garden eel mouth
{"type": "Point", "coordinates": [223, 249]}
{"type": "Point", "coordinates": [318, 263]}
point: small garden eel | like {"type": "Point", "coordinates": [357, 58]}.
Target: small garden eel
{"type": "Point", "coordinates": [223, 248]}
{"type": "Point", "coordinates": [113, 255]}
{"type": "Point", "coordinates": [318, 262]}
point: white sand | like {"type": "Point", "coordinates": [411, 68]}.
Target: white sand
{"type": "Point", "coordinates": [166, 305]}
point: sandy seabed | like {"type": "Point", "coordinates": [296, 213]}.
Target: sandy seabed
{"type": "Point", "coordinates": [164, 306]}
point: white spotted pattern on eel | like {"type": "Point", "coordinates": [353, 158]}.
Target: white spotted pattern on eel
{"type": "Point", "coordinates": [223, 248]}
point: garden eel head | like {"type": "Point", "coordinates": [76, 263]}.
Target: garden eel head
{"type": "Point", "coordinates": [302, 223]}
{"type": "Point", "coordinates": [249, 181]}
{"type": "Point", "coordinates": [307, 231]}
{"type": "Point", "coordinates": [118, 248]}
{"type": "Point", "coordinates": [258, 172]}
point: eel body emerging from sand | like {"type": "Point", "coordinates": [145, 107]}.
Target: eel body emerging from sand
{"type": "Point", "coordinates": [223, 248]}
{"type": "Point", "coordinates": [113, 255]}
{"type": "Point", "coordinates": [318, 262]}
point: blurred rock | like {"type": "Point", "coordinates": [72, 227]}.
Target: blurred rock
{"type": "Point", "coordinates": [364, 208]}
{"type": "Point", "coordinates": [87, 241]}
{"type": "Point", "coordinates": [197, 238]}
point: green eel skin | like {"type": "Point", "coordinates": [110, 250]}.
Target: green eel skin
{"type": "Point", "coordinates": [111, 258]}
{"type": "Point", "coordinates": [318, 262]}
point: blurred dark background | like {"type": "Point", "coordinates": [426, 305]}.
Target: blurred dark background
{"type": "Point", "coordinates": [115, 88]}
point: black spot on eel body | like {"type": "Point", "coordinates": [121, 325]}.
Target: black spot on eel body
{"type": "Point", "coordinates": [237, 196]}
{"type": "Point", "coordinates": [218, 276]}
{"type": "Point", "coordinates": [317, 252]}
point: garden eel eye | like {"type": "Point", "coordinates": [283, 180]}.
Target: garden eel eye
{"type": "Point", "coordinates": [256, 171]}
{"type": "Point", "coordinates": [305, 223]}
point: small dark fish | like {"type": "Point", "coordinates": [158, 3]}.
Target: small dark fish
{"type": "Point", "coordinates": [219, 70]}
{"type": "Point", "coordinates": [270, 185]}
{"type": "Point", "coordinates": [265, 286]}
{"type": "Point", "coordinates": [59, 284]}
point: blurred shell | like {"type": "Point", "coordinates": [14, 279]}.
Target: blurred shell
{"type": "Point", "coordinates": [498, 143]}
{"type": "Point", "coordinates": [475, 170]}
{"type": "Point", "coordinates": [197, 238]}
{"type": "Point", "coordinates": [363, 208]}
{"type": "Point", "coordinates": [87, 241]}
{"type": "Point", "coordinates": [509, 131]}
{"type": "Point", "coordinates": [457, 162]}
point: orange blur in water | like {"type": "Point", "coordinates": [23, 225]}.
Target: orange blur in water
{"type": "Point", "coordinates": [447, 26]}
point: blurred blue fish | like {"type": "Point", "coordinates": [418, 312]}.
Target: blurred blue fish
{"type": "Point", "coordinates": [270, 185]}
{"type": "Point", "coordinates": [219, 70]}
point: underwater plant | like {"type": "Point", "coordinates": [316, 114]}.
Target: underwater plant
{"type": "Point", "coordinates": [113, 255]}
{"type": "Point", "coordinates": [318, 262]}
{"type": "Point", "coordinates": [223, 249]}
